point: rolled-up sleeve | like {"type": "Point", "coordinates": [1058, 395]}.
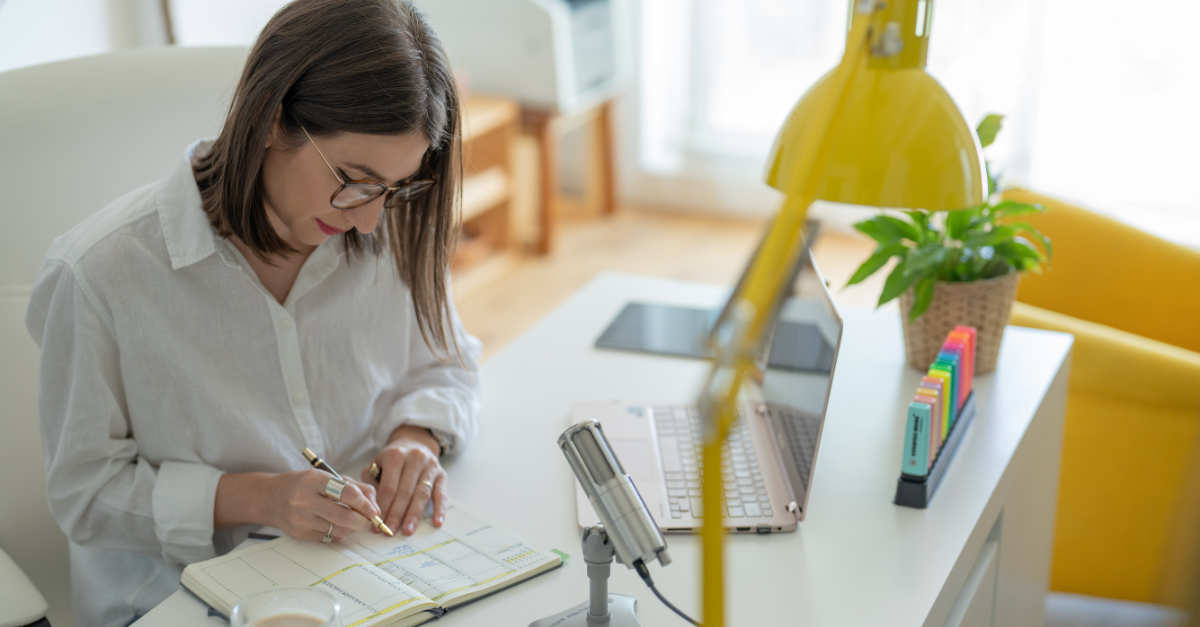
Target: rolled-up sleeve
{"type": "Point", "coordinates": [101, 491]}
{"type": "Point", "coordinates": [439, 391]}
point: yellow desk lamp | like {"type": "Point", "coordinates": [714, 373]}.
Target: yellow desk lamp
{"type": "Point", "coordinates": [877, 130]}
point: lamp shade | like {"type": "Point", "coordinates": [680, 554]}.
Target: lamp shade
{"type": "Point", "coordinates": [904, 142]}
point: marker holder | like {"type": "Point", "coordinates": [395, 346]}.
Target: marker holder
{"type": "Point", "coordinates": [917, 492]}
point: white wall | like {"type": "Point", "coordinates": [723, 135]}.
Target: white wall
{"type": "Point", "coordinates": [221, 22]}
{"type": "Point", "coordinates": [37, 31]}
{"type": "Point", "coordinates": [40, 31]}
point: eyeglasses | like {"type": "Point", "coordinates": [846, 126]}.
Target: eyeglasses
{"type": "Point", "coordinates": [353, 194]}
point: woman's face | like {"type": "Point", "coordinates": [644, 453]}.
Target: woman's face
{"type": "Point", "coordinates": [297, 184]}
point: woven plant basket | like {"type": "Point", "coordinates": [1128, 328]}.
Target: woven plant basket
{"type": "Point", "coordinates": [984, 305]}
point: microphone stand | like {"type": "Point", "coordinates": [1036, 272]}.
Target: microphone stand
{"type": "Point", "coordinates": [602, 608]}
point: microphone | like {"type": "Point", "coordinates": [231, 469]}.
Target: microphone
{"type": "Point", "coordinates": [627, 522]}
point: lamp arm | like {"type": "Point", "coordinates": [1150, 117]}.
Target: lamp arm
{"type": "Point", "coordinates": [754, 303]}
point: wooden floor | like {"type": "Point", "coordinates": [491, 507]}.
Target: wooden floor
{"type": "Point", "coordinates": [690, 247]}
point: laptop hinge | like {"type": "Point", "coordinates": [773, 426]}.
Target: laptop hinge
{"type": "Point", "coordinates": [780, 464]}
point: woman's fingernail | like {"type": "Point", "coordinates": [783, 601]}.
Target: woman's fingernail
{"type": "Point", "coordinates": [438, 520]}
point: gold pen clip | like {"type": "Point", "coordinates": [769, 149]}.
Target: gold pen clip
{"type": "Point", "coordinates": [317, 462]}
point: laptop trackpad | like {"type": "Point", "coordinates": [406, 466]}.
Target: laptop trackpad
{"type": "Point", "coordinates": [637, 458]}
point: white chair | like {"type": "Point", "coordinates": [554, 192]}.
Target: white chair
{"type": "Point", "coordinates": [75, 135]}
{"type": "Point", "coordinates": [20, 602]}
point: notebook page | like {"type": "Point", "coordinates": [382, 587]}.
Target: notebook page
{"type": "Point", "coordinates": [367, 594]}
{"type": "Point", "coordinates": [467, 556]}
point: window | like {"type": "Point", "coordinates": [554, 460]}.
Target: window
{"type": "Point", "coordinates": [1099, 96]}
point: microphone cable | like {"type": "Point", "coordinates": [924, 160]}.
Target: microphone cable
{"type": "Point", "coordinates": [644, 572]}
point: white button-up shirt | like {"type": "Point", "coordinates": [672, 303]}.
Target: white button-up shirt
{"type": "Point", "coordinates": [166, 363]}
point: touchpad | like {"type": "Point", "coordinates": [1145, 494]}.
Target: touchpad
{"type": "Point", "coordinates": [637, 458]}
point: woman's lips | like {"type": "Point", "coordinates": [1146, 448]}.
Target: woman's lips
{"type": "Point", "coordinates": [328, 230]}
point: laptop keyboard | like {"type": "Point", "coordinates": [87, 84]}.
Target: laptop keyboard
{"type": "Point", "coordinates": [680, 438]}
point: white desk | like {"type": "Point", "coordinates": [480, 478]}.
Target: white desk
{"type": "Point", "coordinates": [856, 559]}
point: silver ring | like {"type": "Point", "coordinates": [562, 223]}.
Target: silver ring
{"type": "Point", "coordinates": [333, 489]}
{"type": "Point", "coordinates": [328, 535]}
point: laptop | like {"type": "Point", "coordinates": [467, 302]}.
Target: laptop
{"type": "Point", "coordinates": [771, 451]}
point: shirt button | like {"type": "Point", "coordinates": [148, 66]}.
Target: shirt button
{"type": "Point", "coordinates": [285, 324]}
{"type": "Point", "coordinates": [298, 398]}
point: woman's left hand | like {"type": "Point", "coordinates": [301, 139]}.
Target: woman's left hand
{"type": "Point", "coordinates": [411, 477]}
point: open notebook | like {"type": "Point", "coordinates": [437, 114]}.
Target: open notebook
{"type": "Point", "coordinates": [380, 581]}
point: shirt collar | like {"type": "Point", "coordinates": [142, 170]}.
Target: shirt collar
{"type": "Point", "coordinates": [189, 235]}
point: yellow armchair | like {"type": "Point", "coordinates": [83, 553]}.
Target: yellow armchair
{"type": "Point", "coordinates": [1132, 301]}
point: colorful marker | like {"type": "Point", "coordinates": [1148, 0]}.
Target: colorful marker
{"type": "Point", "coordinates": [941, 395]}
{"type": "Point", "coordinates": [916, 440]}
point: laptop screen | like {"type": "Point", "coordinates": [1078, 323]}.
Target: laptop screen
{"type": "Point", "coordinates": [795, 398]}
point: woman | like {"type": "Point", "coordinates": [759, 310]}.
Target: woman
{"type": "Point", "coordinates": [285, 288]}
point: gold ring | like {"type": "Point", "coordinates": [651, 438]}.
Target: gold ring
{"type": "Point", "coordinates": [328, 535]}
{"type": "Point", "coordinates": [375, 471]}
{"type": "Point", "coordinates": [427, 483]}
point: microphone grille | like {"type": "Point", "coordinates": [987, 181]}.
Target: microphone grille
{"type": "Point", "coordinates": [595, 460]}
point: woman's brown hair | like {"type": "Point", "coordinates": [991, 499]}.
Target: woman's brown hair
{"type": "Point", "coordinates": [347, 66]}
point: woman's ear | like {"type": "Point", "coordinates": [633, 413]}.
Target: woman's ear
{"type": "Point", "coordinates": [275, 130]}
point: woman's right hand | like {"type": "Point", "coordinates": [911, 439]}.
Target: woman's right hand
{"type": "Point", "coordinates": [296, 504]}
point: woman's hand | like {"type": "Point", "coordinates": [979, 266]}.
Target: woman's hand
{"type": "Point", "coordinates": [296, 504]}
{"type": "Point", "coordinates": [411, 476]}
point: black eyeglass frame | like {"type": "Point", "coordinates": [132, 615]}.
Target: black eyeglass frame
{"type": "Point", "coordinates": [415, 189]}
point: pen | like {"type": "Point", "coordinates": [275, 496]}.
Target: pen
{"type": "Point", "coordinates": [317, 462]}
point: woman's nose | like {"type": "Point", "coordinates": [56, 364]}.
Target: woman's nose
{"type": "Point", "coordinates": [366, 217]}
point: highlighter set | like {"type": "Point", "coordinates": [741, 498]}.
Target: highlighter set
{"type": "Point", "coordinates": [943, 401]}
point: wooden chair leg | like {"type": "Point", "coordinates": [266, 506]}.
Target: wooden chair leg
{"type": "Point", "coordinates": [542, 123]}
{"type": "Point", "coordinates": [608, 157]}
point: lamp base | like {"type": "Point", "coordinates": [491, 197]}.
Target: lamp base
{"type": "Point", "coordinates": [622, 612]}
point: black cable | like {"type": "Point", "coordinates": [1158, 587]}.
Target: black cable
{"type": "Point", "coordinates": [644, 572]}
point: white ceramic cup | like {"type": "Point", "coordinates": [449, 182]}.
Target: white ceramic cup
{"type": "Point", "coordinates": [287, 606]}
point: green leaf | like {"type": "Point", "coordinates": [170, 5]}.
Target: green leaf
{"type": "Point", "coordinates": [920, 219]}
{"type": "Point", "coordinates": [1012, 258]}
{"type": "Point", "coordinates": [923, 293]}
{"type": "Point", "coordinates": [1021, 254]}
{"type": "Point", "coordinates": [926, 260]}
{"type": "Point", "coordinates": [988, 128]}
{"type": "Point", "coordinates": [997, 266]}
{"type": "Point", "coordinates": [1025, 227]}
{"type": "Point", "coordinates": [1012, 209]}
{"type": "Point", "coordinates": [898, 281]}
{"type": "Point", "coordinates": [900, 227]}
{"type": "Point", "coordinates": [876, 261]}
{"type": "Point", "coordinates": [957, 221]}
{"type": "Point", "coordinates": [949, 262]}
{"type": "Point", "coordinates": [878, 232]}
{"type": "Point", "coordinates": [995, 236]}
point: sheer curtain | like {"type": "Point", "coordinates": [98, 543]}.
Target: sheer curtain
{"type": "Point", "coordinates": [1117, 116]}
{"type": "Point", "coordinates": [1099, 97]}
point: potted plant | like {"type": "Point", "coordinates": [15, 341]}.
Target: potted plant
{"type": "Point", "coordinates": [955, 267]}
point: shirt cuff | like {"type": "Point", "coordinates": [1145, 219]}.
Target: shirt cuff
{"type": "Point", "coordinates": [432, 408]}
{"type": "Point", "coordinates": [185, 494]}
